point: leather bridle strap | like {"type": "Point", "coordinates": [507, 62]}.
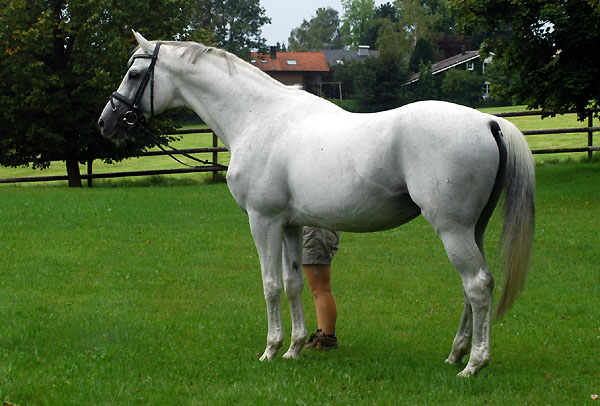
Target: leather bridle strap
{"type": "Point", "coordinates": [134, 114]}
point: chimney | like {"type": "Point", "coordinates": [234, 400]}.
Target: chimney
{"type": "Point", "coordinates": [273, 52]}
{"type": "Point", "coordinates": [363, 50]}
{"type": "Point", "coordinates": [463, 50]}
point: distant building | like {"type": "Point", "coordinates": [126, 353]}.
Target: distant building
{"type": "Point", "coordinates": [466, 60]}
{"type": "Point", "coordinates": [340, 56]}
{"type": "Point", "coordinates": [306, 69]}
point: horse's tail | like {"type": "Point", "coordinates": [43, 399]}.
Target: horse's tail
{"type": "Point", "coordinates": [519, 211]}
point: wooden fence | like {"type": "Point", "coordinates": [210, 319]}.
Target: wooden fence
{"type": "Point", "coordinates": [215, 150]}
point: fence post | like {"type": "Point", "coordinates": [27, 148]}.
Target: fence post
{"type": "Point", "coordinates": [89, 172]}
{"type": "Point", "coordinates": [215, 157]}
{"type": "Point", "coordinates": [590, 133]}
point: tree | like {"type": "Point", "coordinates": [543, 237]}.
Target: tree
{"type": "Point", "coordinates": [423, 53]}
{"type": "Point", "coordinates": [384, 14]}
{"type": "Point", "coordinates": [417, 20]}
{"type": "Point", "coordinates": [547, 48]}
{"type": "Point", "coordinates": [425, 88]}
{"type": "Point", "coordinates": [60, 62]}
{"type": "Point", "coordinates": [234, 25]}
{"type": "Point", "coordinates": [462, 87]}
{"type": "Point", "coordinates": [322, 31]}
{"type": "Point", "coordinates": [357, 20]}
{"type": "Point", "coordinates": [378, 84]}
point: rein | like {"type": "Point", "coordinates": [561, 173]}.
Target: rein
{"type": "Point", "coordinates": [135, 116]}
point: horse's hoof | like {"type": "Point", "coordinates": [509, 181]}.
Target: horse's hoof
{"type": "Point", "coordinates": [465, 373]}
{"type": "Point", "coordinates": [268, 355]}
{"type": "Point", "coordinates": [453, 361]}
{"type": "Point", "coordinates": [292, 354]}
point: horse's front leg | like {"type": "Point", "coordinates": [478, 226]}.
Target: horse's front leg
{"type": "Point", "coordinates": [267, 233]}
{"type": "Point", "coordinates": [293, 282]}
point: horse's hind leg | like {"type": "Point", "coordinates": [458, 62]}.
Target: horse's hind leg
{"type": "Point", "coordinates": [478, 285]}
{"type": "Point", "coordinates": [293, 283]}
{"type": "Point", "coordinates": [462, 342]}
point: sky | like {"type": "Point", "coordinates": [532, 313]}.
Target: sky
{"type": "Point", "coordinates": [288, 14]}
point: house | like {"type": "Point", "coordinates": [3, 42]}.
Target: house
{"type": "Point", "coordinates": [468, 60]}
{"type": "Point", "coordinates": [306, 69]}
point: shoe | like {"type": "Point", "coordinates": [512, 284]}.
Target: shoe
{"type": "Point", "coordinates": [322, 341]}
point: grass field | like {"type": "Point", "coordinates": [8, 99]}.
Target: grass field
{"type": "Point", "coordinates": [151, 295]}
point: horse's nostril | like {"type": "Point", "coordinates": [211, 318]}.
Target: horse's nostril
{"type": "Point", "coordinates": [101, 123]}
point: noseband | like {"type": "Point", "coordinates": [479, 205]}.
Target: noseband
{"type": "Point", "coordinates": [134, 115]}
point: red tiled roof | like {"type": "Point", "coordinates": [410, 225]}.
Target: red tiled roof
{"type": "Point", "coordinates": [291, 61]}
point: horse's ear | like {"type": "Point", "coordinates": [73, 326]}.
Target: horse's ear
{"type": "Point", "coordinates": [144, 43]}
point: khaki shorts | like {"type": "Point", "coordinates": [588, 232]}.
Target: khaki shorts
{"type": "Point", "coordinates": [319, 246]}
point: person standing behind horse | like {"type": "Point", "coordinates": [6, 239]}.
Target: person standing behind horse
{"type": "Point", "coordinates": [319, 247]}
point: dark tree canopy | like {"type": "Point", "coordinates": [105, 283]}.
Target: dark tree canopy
{"type": "Point", "coordinates": [549, 48]}
{"type": "Point", "coordinates": [60, 62]}
{"type": "Point", "coordinates": [62, 59]}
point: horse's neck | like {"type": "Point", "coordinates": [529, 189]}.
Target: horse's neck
{"type": "Point", "coordinates": [229, 96]}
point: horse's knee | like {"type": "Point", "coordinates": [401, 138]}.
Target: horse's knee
{"type": "Point", "coordinates": [293, 287]}
{"type": "Point", "coordinates": [272, 290]}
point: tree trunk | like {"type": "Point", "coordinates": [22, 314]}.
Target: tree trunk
{"type": "Point", "coordinates": [73, 170]}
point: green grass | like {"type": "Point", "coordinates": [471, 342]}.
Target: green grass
{"type": "Point", "coordinates": [152, 296]}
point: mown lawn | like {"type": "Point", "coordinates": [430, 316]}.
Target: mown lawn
{"type": "Point", "coordinates": [151, 295]}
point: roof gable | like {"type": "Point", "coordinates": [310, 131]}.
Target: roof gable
{"type": "Point", "coordinates": [449, 63]}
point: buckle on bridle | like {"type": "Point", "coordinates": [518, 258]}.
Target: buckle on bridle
{"type": "Point", "coordinates": [130, 118]}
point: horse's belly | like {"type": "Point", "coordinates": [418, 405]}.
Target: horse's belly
{"type": "Point", "coordinates": [359, 213]}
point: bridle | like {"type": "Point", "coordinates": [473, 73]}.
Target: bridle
{"type": "Point", "coordinates": [134, 115]}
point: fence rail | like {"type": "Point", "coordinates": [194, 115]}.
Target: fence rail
{"type": "Point", "coordinates": [215, 150]}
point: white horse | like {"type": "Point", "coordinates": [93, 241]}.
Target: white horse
{"type": "Point", "coordinates": [297, 159]}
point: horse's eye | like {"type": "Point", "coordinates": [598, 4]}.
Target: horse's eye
{"type": "Point", "coordinates": [134, 74]}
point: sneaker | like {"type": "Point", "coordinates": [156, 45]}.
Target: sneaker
{"type": "Point", "coordinates": [322, 341]}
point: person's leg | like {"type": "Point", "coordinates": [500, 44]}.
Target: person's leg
{"type": "Point", "coordinates": [319, 281]}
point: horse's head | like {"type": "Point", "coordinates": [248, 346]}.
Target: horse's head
{"type": "Point", "coordinates": [143, 92]}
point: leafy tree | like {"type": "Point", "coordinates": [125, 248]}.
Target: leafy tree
{"type": "Point", "coordinates": [548, 48]}
{"type": "Point", "coordinates": [462, 87]}
{"type": "Point", "coordinates": [425, 88]}
{"type": "Point", "coordinates": [417, 19]}
{"type": "Point", "coordinates": [61, 59]}
{"type": "Point", "coordinates": [423, 53]}
{"type": "Point", "coordinates": [384, 14]}
{"type": "Point", "coordinates": [378, 84]}
{"type": "Point", "coordinates": [234, 25]}
{"type": "Point", "coordinates": [357, 20]}
{"type": "Point", "coordinates": [393, 45]}
{"type": "Point", "coordinates": [322, 31]}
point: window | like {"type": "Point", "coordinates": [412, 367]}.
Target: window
{"type": "Point", "coordinates": [263, 60]}
{"type": "Point", "coordinates": [291, 62]}
{"type": "Point", "coordinates": [470, 66]}
{"type": "Point", "coordinates": [253, 60]}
